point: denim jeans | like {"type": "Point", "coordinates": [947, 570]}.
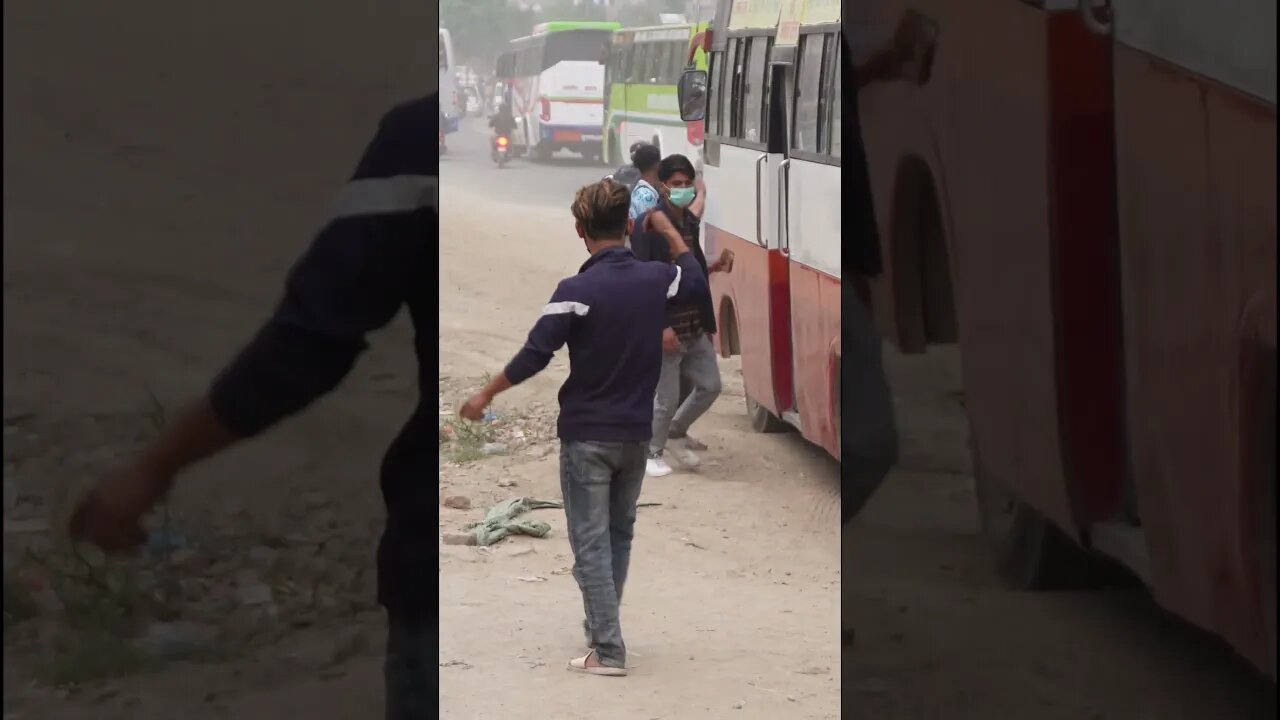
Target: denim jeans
{"type": "Point", "coordinates": [600, 482]}
{"type": "Point", "coordinates": [672, 415]}
{"type": "Point", "coordinates": [411, 641]}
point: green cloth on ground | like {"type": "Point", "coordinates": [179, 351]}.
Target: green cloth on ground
{"type": "Point", "coordinates": [501, 521]}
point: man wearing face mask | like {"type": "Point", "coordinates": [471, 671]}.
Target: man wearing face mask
{"type": "Point", "coordinates": [690, 352]}
{"type": "Point", "coordinates": [611, 315]}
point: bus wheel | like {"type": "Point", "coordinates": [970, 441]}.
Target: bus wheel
{"type": "Point", "coordinates": [542, 152]}
{"type": "Point", "coordinates": [763, 421]}
{"type": "Point", "coordinates": [1031, 553]}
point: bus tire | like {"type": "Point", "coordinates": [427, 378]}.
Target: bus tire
{"type": "Point", "coordinates": [1030, 552]}
{"type": "Point", "coordinates": [763, 421]}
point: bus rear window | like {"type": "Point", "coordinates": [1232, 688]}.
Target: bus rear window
{"type": "Point", "coordinates": [574, 45]}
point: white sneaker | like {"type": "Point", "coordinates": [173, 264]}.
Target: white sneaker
{"type": "Point", "coordinates": [683, 453]}
{"type": "Point", "coordinates": [657, 467]}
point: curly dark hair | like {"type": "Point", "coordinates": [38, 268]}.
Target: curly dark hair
{"type": "Point", "coordinates": [645, 156]}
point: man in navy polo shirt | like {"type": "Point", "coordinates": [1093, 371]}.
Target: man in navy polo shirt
{"type": "Point", "coordinates": [611, 315]}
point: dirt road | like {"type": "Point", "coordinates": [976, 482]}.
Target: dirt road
{"type": "Point", "coordinates": [163, 167]}
{"type": "Point", "coordinates": [940, 636]}
{"type": "Point", "coordinates": [733, 596]}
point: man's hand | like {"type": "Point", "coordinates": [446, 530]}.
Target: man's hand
{"type": "Point", "coordinates": [670, 343]}
{"type": "Point", "coordinates": [724, 263]}
{"type": "Point", "coordinates": [699, 186]}
{"type": "Point", "coordinates": [110, 515]}
{"type": "Point", "coordinates": [473, 409]}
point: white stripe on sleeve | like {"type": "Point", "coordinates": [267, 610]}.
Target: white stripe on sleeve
{"type": "Point", "coordinates": [567, 306]}
{"type": "Point", "coordinates": [382, 196]}
{"type": "Point", "coordinates": [674, 287]}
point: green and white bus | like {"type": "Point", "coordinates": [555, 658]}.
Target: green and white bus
{"type": "Point", "coordinates": [642, 70]}
{"type": "Point", "coordinates": [555, 84]}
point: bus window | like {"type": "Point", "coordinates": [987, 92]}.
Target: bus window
{"type": "Point", "coordinates": [715, 76]}
{"type": "Point", "coordinates": [730, 119]}
{"type": "Point", "coordinates": [644, 63]}
{"type": "Point", "coordinates": [626, 58]}
{"type": "Point", "coordinates": [655, 62]}
{"type": "Point", "coordinates": [660, 64]}
{"type": "Point", "coordinates": [614, 66]}
{"type": "Point", "coordinates": [753, 90]}
{"type": "Point", "coordinates": [805, 126]}
{"type": "Point", "coordinates": [834, 95]}
{"type": "Point", "coordinates": [676, 52]}
{"type": "Point", "coordinates": [768, 91]}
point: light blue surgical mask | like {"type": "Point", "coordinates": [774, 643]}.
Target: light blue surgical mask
{"type": "Point", "coordinates": [681, 197]}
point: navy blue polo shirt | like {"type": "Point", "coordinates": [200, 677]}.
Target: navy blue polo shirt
{"type": "Point", "coordinates": [374, 256]}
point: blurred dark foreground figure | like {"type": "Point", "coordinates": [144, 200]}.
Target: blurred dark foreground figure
{"type": "Point", "coordinates": [868, 432]}
{"type": "Point", "coordinates": [375, 255]}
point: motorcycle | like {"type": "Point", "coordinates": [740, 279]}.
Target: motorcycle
{"type": "Point", "coordinates": [501, 150]}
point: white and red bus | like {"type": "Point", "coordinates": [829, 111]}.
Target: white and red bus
{"type": "Point", "coordinates": [1082, 195]}
{"type": "Point", "coordinates": [771, 155]}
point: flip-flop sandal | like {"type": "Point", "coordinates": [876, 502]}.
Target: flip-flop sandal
{"type": "Point", "coordinates": [580, 665]}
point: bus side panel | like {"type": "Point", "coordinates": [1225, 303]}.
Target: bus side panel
{"type": "Point", "coordinates": [813, 243]}
{"type": "Point", "coordinates": [973, 140]}
{"type": "Point", "coordinates": [815, 327]}
{"type": "Point", "coordinates": [1196, 166]}
{"type": "Point", "coordinates": [748, 287]}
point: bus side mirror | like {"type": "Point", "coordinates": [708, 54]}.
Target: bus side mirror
{"type": "Point", "coordinates": [692, 93]}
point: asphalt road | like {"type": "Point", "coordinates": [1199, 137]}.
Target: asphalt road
{"type": "Point", "coordinates": [468, 166]}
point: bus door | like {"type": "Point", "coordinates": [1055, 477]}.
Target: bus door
{"type": "Point", "coordinates": [767, 75]}
{"type": "Point", "coordinates": [810, 188]}
{"type": "Point", "coordinates": [778, 114]}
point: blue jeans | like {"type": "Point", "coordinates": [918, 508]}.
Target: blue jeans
{"type": "Point", "coordinates": [600, 482]}
{"type": "Point", "coordinates": [411, 690]}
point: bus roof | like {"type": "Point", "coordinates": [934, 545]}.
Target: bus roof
{"type": "Point", "coordinates": [564, 25]}
{"type": "Point", "coordinates": [756, 14]}
{"type": "Point", "coordinates": [659, 32]}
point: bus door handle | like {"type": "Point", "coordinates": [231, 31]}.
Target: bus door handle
{"type": "Point", "coordinates": [784, 205]}
{"type": "Point", "coordinates": [759, 204]}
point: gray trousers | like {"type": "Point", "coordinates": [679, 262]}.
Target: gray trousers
{"type": "Point", "coordinates": [600, 482]}
{"type": "Point", "coordinates": [696, 364]}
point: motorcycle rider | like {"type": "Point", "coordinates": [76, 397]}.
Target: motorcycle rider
{"type": "Point", "coordinates": [503, 122]}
